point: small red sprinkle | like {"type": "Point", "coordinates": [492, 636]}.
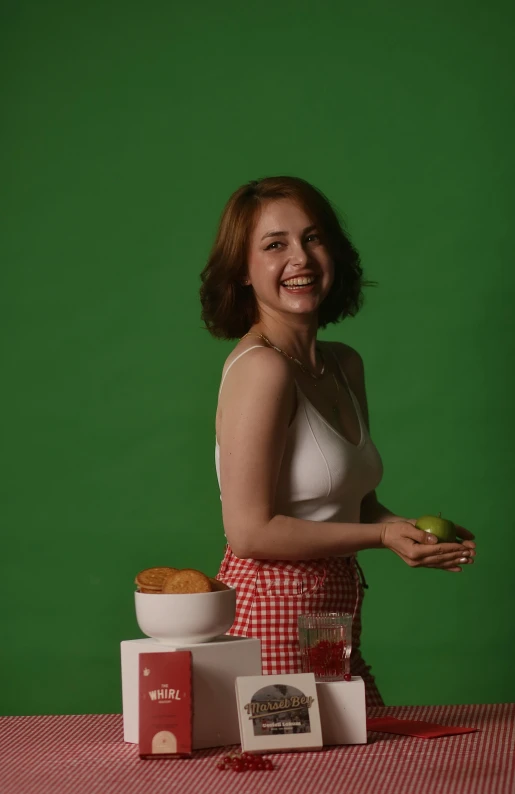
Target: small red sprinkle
{"type": "Point", "coordinates": [244, 762]}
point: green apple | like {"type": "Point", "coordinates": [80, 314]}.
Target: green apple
{"type": "Point", "coordinates": [444, 530]}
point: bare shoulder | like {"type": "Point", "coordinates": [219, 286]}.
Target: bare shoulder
{"type": "Point", "coordinates": [258, 386]}
{"type": "Point", "coordinates": [249, 359]}
{"type": "Point", "coordinates": [255, 369]}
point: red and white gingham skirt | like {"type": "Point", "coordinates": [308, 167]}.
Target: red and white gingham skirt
{"type": "Point", "coordinates": [272, 594]}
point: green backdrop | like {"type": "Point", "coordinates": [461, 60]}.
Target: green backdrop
{"type": "Point", "coordinates": [125, 128]}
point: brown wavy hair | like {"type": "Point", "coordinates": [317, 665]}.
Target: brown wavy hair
{"type": "Point", "coordinates": [229, 309]}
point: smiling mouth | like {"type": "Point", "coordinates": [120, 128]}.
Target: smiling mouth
{"type": "Point", "coordinates": [298, 283]}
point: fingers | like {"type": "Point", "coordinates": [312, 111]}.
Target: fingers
{"type": "Point", "coordinates": [443, 555]}
{"type": "Point", "coordinates": [439, 550]}
{"type": "Point", "coordinates": [419, 536]}
{"type": "Point", "coordinates": [446, 560]}
{"type": "Point", "coordinates": [443, 552]}
{"type": "Point", "coordinates": [448, 565]}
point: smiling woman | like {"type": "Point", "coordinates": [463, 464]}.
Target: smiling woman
{"type": "Point", "coordinates": [296, 465]}
{"type": "Point", "coordinates": [228, 308]}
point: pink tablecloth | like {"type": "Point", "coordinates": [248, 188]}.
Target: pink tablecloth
{"type": "Point", "coordinates": [87, 755]}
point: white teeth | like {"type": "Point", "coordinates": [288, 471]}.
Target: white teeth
{"type": "Point", "coordinates": [299, 282]}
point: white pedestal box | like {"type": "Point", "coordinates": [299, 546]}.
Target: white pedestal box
{"type": "Point", "coordinates": [215, 666]}
{"type": "Point", "coordinates": [342, 711]}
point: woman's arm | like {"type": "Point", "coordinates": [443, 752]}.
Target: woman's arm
{"type": "Point", "coordinates": [256, 405]}
{"type": "Point", "coordinates": [372, 511]}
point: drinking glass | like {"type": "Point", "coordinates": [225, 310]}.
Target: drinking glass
{"type": "Point", "coordinates": [325, 640]}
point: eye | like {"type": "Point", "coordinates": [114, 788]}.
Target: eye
{"type": "Point", "coordinates": [271, 246]}
{"type": "Point", "coordinates": [312, 237]}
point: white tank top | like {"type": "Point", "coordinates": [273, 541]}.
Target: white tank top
{"type": "Point", "coordinates": [323, 476]}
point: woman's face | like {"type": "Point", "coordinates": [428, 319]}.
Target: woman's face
{"type": "Point", "coordinates": [289, 267]}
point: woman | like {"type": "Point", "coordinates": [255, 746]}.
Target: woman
{"type": "Point", "coordinates": [296, 465]}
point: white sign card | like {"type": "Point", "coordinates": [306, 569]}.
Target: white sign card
{"type": "Point", "coordinates": [278, 712]}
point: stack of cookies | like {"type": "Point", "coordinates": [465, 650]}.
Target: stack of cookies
{"type": "Point", "coordinates": [176, 580]}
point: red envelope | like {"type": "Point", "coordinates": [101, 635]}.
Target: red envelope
{"type": "Point", "coordinates": [423, 730]}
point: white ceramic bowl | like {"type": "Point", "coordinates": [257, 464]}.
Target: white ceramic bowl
{"type": "Point", "coordinates": [185, 619]}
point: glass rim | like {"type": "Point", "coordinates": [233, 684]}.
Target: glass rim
{"type": "Point", "coordinates": [328, 617]}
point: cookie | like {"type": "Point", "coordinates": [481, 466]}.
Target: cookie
{"type": "Point", "coordinates": [186, 580]}
{"type": "Point", "coordinates": [151, 580]}
{"type": "Point", "coordinates": [217, 585]}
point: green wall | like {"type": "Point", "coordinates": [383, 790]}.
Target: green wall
{"type": "Point", "coordinates": [125, 128]}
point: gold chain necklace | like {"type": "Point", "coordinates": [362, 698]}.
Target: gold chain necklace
{"type": "Point", "coordinates": [335, 408]}
{"type": "Point", "coordinates": [292, 358]}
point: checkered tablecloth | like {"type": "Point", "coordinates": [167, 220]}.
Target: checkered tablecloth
{"type": "Point", "coordinates": [87, 755]}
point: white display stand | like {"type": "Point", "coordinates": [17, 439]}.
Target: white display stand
{"type": "Point", "coordinates": [342, 711]}
{"type": "Point", "coordinates": [215, 666]}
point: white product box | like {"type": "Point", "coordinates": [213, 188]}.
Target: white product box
{"type": "Point", "coordinates": [216, 666]}
{"type": "Point", "coordinates": [342, 711]}
{"type": "Point", "coordinates": [278, 712]}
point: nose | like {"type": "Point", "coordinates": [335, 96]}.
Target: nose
{"type": "Point", "coordinates": [299, 256]}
